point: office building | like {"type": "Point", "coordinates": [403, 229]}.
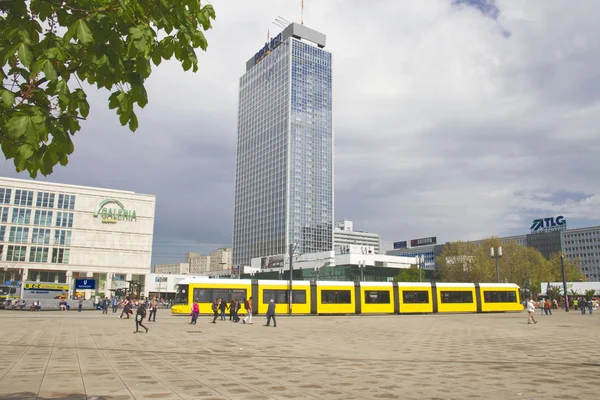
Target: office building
{"type": "Point", "coordinates": [173, 269]}
{"type": "Point", "coordinates": [60, 234]}
{"type": "Point", "coordinates": [284, 171]}
{"type": "Point", "coordinates": [221, 259]}
{"type": "Point", "coordinates": [344, 235]}
{"type": "Point", "coordinates": [197, 262]}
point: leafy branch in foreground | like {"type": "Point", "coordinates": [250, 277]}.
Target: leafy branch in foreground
{"type": "Point", "coordinates": [47, 48]}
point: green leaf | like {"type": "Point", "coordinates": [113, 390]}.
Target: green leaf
{"type": "Point", "coordinates": [84, 108]}
{"type": "Point", "coordinates": [133, 122]}
{"type": "Point", "coordinates": [25, 55]}
{"type": "Point", "coordinates": [26, 151]}
{"type": "Point", "coordinates": [8, 98]}
{"type": "Point", "coordinates": [46, 66]}
{"type": "Point", "coordinates": [20, 125]}
{"type": "Point", "coordinates": [81, 31]}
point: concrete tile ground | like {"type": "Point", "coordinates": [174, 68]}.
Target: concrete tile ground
{"type": "Point", "coordinates": [70, 355]}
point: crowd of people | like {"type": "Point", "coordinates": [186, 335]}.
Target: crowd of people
{"type": "Point", "coordinates": [219, 309]}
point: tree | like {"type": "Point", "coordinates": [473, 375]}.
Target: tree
{"type": "Point", "coordinates": [464, 262]}
{"type": "Point", "coordinates": [589, 294]}
{"type": "Point", "coordinates": [48, 47]}
{"type": "Point", "coordinates": [572, 271]}
{"type": "Point", "coordinates": [408, 275]}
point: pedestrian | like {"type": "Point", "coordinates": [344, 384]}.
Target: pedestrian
{"type": "Point", "coordinates": [231, 309]}
{"type": "Point", "coordinates": [105, 304]}
{"type": "Point", "coordinates": [531, 311]}
{"type": "Point", "coordinates": [115, 305]}
{"type": "Point", "coordinates": [582, 306]}
{"type": "Point", "coordinates": [236, 309]}
{"type": "Point", "coordinates": [547, 307]}
{"type": "Point", "coordinates": [248, 311]}
{"type": "Point", "coordinates": [80, 305]}
{"type": "Point", "coordinates": [223, 308]}
{"type": "Point", "coordinates": [215, 308]}
{"type": "Point", "coordinates": [271, 313]}
{"type": "Point", "coordinates": [126, 309]}
{"type": "Point", "coordinates": [153, 310]}
{"type": "Point", "coordinates": [139, 318]}
{"type": "Point", "coordinates": [195, 312]}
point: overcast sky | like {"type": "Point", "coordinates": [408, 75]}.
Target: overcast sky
{"type": "Point", "coordinates": [459, 120]}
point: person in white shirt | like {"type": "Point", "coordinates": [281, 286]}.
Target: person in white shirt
{"type": "Point", "coordinates": [531, 311]}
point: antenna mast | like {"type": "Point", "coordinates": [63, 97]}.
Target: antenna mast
{"type": "Point", "coordinates": [302, 14]}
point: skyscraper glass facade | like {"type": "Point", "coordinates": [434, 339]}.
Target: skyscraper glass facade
{"type": "Point", "coordinates": [284, 172]}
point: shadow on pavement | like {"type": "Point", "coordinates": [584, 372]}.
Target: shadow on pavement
{"type": "Point", "coordinates": [33, 396]}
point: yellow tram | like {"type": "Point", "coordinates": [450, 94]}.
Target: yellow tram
{"type": "Point", "coordinates": [337, 297]}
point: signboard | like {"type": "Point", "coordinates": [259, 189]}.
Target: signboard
{"type": "Point", "coordinates": [356, 249]}
{"type": "Point", "coordinates": [548, 224]}
{"type": "Point", "coordinates": [160, 279]}
{"type": "Point", "coordinates": [266, 50]}
{"type": "Point", "coordinates": [85, 284]}
{"type": "Point", "coordinates": [110, 215]}
{"type": "Point", "coordinates": [423, 241]}
{"type": "Point", "coordinates": [45, 290]}
{"type": "Point", "coordinates": [400, 245]}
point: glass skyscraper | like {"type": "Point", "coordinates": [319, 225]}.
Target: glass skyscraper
{"type": "Point", "coordinates": [284, 171]}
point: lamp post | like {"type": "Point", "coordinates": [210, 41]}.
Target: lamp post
{"type": "Point", "coordinates": [362, 264]}
{"type": "Point", "coordinates": [292, 246]}
{"type": "Point", "coordinates": [562, 266]}
{"type": "Point", "coordinates": [420, 265]}
{"type": "Point", "coordinates": [496, 253]}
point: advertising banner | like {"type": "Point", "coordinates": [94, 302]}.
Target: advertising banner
{"type": "Point", "coordinates": [423, 241]}
{"type": "Point", "coordinates": [45, 290]}
{"type": "Point", "coordinates": [400, 245]}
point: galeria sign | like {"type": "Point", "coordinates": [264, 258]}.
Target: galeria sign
{"type": "Point", "coordinates": [110, 215]}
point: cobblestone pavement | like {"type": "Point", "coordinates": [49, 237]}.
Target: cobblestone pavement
{"type": "Point", "coordinates": [70, 355]}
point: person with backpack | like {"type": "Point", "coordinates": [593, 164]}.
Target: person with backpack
{"type": "Point", "coordinates": [248, 311]}
{"type": "Point", "coordinates": [139, 318]}
{"type": "Point", "coordinates": [215, 307]}
{"type": "Point", "coordinates": [195, 312]}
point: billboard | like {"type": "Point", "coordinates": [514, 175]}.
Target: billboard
{"type": "Point", "coordinates": [400, 245]}
{"type": "Point", "coordinates": [423, 241]}
{"type": "Point", "coordinates": [548, 224]}
{"type": "Point", "coordinates": [45, 290]}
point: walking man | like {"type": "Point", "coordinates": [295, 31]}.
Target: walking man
{"type": "Point", "coordinates": [139, 318]}
{"type": "Point", "coordinates": [531, 311]}
{"type": "Point", "coordinates": [271, 313]}
{"type": "Point", "coordinates": [105, 303]}
{"type": "Point", "coordinates": [215, 308]}
{"type": "Point", "coordinates": [126, 309]}
{"type": "Point", "coordinates": [153, 309]}
{"type": "Point", "coordinates": [115, 305]}
{"type": "Point", "coordinates": [80, 305]}
{"type": "Point", "coordinates": [248, 312]}
{"type": "Point", "coordinates": [223, 308]}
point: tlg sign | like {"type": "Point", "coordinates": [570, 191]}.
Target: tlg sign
{"type": "Point", "coordinates": [549, 224]}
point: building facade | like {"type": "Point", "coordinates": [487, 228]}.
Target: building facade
{"type": "Point", "coordinates": [220, 259]}
{"type": "Point", "coordinates": [284, 171]}
{"type": "Point", "coordinates": [61, 234]}
{"type": "Point", "coordinates": [344, 235]}
{"type": "Point", "coordinates": [197, 262]}
{"type": "Point", "coordinates": [178, 268]}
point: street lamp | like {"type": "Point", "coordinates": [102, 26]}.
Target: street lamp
{"type": "Point", "coordinates": [361, 266]}
{"type": "Point", "coordinates": [496, 253]}
{"type": "Point", "coordinates": [420, 265]}
{"type": "Point", "coordinates": [292, 247]}
{"type": "Point", "coordinates": [562, 266]}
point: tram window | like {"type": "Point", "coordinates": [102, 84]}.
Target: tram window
{"type": "Point", "coordinates": [281, 296]}
{"type": "Point", "coordinates": [181, 297]}
{"type": "Point", "coordinates": [209, 295]}
{"type": "Point", "coordinates": [377, 297]}
{"type": "Point", "coordinates": [457, 296]}
{"type": "Point", "coordinates": [335, 297]}
{"type": "Point", "coordinates": [499, 296]}
{"type": "Point", "coordinates": [415, 296]}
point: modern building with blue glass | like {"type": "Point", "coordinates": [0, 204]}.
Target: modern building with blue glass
{"type": "Point", "coordinates": [284, 171]}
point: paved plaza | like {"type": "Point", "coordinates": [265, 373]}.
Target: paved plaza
{"type": "Point", "coordinates": [70, 355]}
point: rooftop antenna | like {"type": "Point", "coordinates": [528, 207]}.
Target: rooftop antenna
{"type": "Point", "coordinates": [302, 14]}
{"type": "Point", "coordinates": [284, 20]}
{"type": "Point", "coordinates": [279, 24]}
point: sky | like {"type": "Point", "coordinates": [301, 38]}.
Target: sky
{"type": "Point", "coordinates": [459, 119]}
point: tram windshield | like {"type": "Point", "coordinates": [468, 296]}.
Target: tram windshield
{"type": "Point", "coordinates": [181, 297]}
{"type": "Point", "coordinates": [7, 290]}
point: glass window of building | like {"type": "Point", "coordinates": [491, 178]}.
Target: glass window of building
{"type": "Point", "coordinates": [2, 233]}
{"type": "Point", "coordinates": [23, 197]}
{"type": "Point", "coordinates": [41, 236]}
{"type": "Point", "coordinates": [21, 216]}
{"type": "Point", "coordinates": [38, 254]}
{"type": "Point", "coordinates": [4, 214]}
{"type": "Point", "coordinates": [5, 195]}
{"type": "Point", "coordinates": [16, 253]}
{"type": "Point", "coordinates": [43, 218]}
{"type": "Point", "coordinates": [63, 237]}
{"type": "Point", "coordinates": [60, 256]}
{"type": "Point", "coordinates": [64, 219]}
{"type": "Point", "coordinates": [66, 201]}
{"type": "Point", "coordinates": [45, 199]}
{"type": "Point", "coordinates": [18, 234]}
